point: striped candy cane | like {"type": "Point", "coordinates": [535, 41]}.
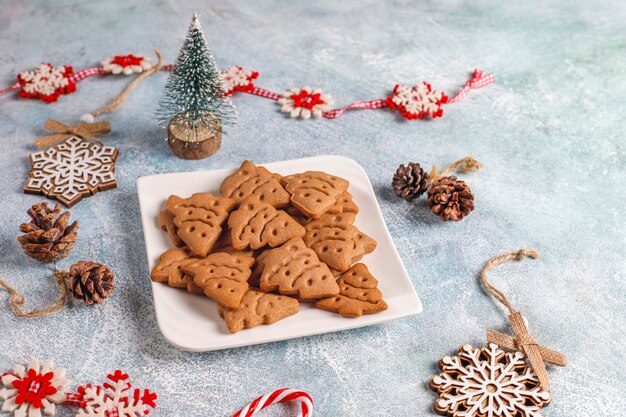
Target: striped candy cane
{"type": "Point", "coordinates": [279, 396]}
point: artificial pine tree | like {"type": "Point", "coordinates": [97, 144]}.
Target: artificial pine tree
{"type": "Point", "coordinates": [193, 105]}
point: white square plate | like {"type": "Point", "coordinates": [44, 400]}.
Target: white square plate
{"type": "Point", "coordinates": [191, 322]}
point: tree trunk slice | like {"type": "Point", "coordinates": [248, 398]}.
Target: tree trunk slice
{"type": "Point", "coordinates": [189, 145]}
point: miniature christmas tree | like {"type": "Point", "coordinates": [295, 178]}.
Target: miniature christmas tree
{"type": "Point", "coordinates": [193, 106]}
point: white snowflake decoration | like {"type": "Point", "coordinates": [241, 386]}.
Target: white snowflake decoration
{"type": "Point", "coordinates": [29, 391]}
{"type": "Point", "coordinates": [236, 79]}
{"type": "Point", "coordinates": [47, 82]}
{"type": "Point", "coordinates": [72, 170]}
{"type": "Point", "coordinates": [305, 102]}
{"type": "Point", "coordinates": [126, 64]}
{"type": "Point", "coordinates": [488, 382]}
{"type": "Point", "coordinates": [418, 101]}
{"type": "Point", "coordinates": [115, 399]}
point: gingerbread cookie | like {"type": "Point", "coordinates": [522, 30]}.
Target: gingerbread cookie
{"type": "Point", "coordinates": [257, 269]}
{"type": "Point", "coordinates": [252, 180]}
{"type": "Point", "coordinates": [166, 221]}
{"type": "Point", "coordinates": [256, 224]}
{"type": "Point", "coordinates": [258, 308]}
{"type": "Point", "coordinates": [222, 276]}
{"type": "Point", "coordinates": [294, 269]}
{"type": "Point", "coordinates": [332, 238]}
{"type": "Point", "coordinates": [358, 294]}
{"type": "Point", "coordinates": [225, 244]}
{"type": "Point", "coordinates": [344, 204]}
{"type": "Point", "coordinates": [169, 269]}
{"type": "Point", "coordinates": [199, 220]}
{"type": "Point", "coordinates": [314, 192]}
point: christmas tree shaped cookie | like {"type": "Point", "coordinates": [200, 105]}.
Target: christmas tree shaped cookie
{"type": "Point", "coordinates": [314, 192]}
{"type": "Point", "coordinates": [251, 180]}
{"type": "Point", "coordinates": [258, 308]}
{"type": "Point", "coordinates": [344, 204]}
{"type": "Point", "coordinates": [256, 224]}
{"type": "Point", "coordinates": [294, 269]}
{"type": "Point", "coordinates": [222, 276]}
{"type": "Point", "coordinates": [166, 221]}
{"type": "Point", "coordinates": [358, 294]}
{"type": "Point", "coordinates": [199, 220]}
{"type": "Point", "coordinates": [169, 269]}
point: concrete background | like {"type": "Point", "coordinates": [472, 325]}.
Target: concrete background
{"type": "Point", "coordinates": [550, 133]}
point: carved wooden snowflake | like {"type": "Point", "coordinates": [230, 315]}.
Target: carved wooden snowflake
{"type": "Point", "coordinates": [33, 390]}
{"type": "Point", "coordinates": [488, 382]}
{"type": "Point", "coordinates": [418, 101]}
{"type": "Point", "coordinates": [115, 398]}
{"type": "Point", "coordinates": [72, 170]}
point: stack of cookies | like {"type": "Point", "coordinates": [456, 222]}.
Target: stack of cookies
{"type": "Point", "coordinates": [268, 243]}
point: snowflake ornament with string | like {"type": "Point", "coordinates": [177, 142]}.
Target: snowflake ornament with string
{"type": "Point", "coordinates": [236, 78]}
{"type": "Point", "coordinates": [305, 102]}
{"type": "Point", "coordinates": [46, 82]}
{"type": "Point", "coordinates": [126, 64]}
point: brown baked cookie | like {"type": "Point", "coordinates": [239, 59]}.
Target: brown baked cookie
{"type": "Point", "coordinates": [252, 180]}
{"type": "Point", "coordinates": [275, 175]}
{"type": "Point", "coordinates": [358, 294]}
{"type": "Point", "coordinates": [225, 244]}
{"type": "Point", "coordinates": [344, 204]}
{"type": "Point", "coordinates": [363, 244]}
{"type": "Point", "coordinates": [222, 276]}
{"type": "Point", "coordinates": [169, 269]}
{"type": "Point", "coordinates": [258, 308]}
{"type": "Point", "coordinates": [199, 220]}
{"type": "Point", "coordinates": [314, 192]}
{"type": "Point", "coordinates": [294, 269]}
{"type": "Point", "coordinates": [166, 221]}
{"type": "Point", "coordinates": [257, 269]}
{"type": "Point", "coordinates": [332, 238]}
{"type": "Point", "coordinates": [256, 224]}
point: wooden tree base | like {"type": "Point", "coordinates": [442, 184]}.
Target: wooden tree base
{"type": "Point", "coordinates": [188, 144]}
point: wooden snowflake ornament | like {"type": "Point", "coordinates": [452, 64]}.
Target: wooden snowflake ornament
{"type": "Point", "coordinates": [47, 82]}
{"type": "Point", "coordinates": [115, 398]}
{"type": "Point", "coordinates": [30, 391]}
{"type": "Point", "coordinates": [71, 170]}
{"type": "Point", "coordinates": [488, 382]}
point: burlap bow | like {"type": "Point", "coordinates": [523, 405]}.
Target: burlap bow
{"type": "Point", "coordinates": [522, 341]}
{"type": "Point", "coordinates": [63, 132]}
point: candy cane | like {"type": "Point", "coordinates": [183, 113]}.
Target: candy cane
{"type": "Point", "coordinates": [279, 396]}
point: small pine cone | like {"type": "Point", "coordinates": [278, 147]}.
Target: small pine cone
{"type": "Point", "coordinates": [450, 199]}
{"type": "Point", "coordinates": [410, 182]}
{"type": "Point", "coordinates": [47, 237]}
{"type": "Point", "coordinates": [91, 282]}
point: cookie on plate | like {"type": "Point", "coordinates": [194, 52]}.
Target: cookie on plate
{"type": "Point", "coordinates": [199, 220]}
{"type": "Point", "coordinates": [258, 308]}
{"type": "Point", "coordinates": [169, 269]}
{"type": "Point", "coordinates": [166, 221]}
{"type": "Point", "coordinates": [358, 294]}
{"type": "Point", "coordinates": [314, 192]}
{"type": "Point", "coordinates": [252, 180]}
{"type": "Point", "coordinates": [222, 276]}
{"type": "Point", "coordinates": [256, 224]}
{"type": "Point", "coordinates": [294, 269]}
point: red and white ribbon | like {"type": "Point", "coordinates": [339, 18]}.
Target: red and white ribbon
{"type": "Point", "coordinates": [279, 396]}
{"type": "Point", "coordinates": [478, 80]}
{"type": "Point", "coordinates": [261, 92]}
{"type": "Point", "coordinates": [370, 104]}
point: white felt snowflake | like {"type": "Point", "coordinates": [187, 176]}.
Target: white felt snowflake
{"type": "Point", "coordinates": [418, 101]}
{"type": "Point", "coordinates": [488, 382]}
{"type": "Point", "coordinates": [29, 391]}
{"type": "Point", "coordinates": [47, 82]}
{"type": "Point", "coordinates": [236, 79]}
{"type": "Point", "coordinates": [126, 64]}
{"type": "Point", "coordinates": [305, 102]}
{"type": "Point", "coordinates": [115, 398]}
{"type": "Point", "coordinates": [72, 170]}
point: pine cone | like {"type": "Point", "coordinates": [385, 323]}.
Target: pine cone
{"type": "Point", "coordinates": [47, 237]}
{"type": "Point", "coordinates": [91, 282]}
{"type": "Point", "coordinates": [450, 199]}
{"type": "Point", "coordinates": [410, 182]}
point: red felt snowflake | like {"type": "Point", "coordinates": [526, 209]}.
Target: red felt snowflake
{"type": "Point", "coordinates": [305, 102]}
{"type": "Point", "coordinates": [236, 79]}
{"type": "Point", "coordinates": [126, 64]}
{"type": "Point", "coordinates": [418, 101]}
{"type": "Point", "coordinates": [47, 82]}
{"type": "Point", "coordinates": [115, 398]}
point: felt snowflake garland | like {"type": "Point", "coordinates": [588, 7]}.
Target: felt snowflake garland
{"type": "Point", "coordinates": [418, 101]}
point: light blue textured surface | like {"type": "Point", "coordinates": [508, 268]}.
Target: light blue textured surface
{"type": "Point", "coordinates": [550, 133]}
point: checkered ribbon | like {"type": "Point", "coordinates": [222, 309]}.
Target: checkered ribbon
{"type": "Point", "coordinates": [88, 72]}
{"type": "Point", "coordinates": [261, 92]}
{"type": "Point", "coordinates": [13, 87]}
{"type": "Point", "coordinates": [371, 104]}
{"type": "Point", "coordinates": [34, 387]}
{"type": "Point", "coordinates": [74, 398]}
{"type": "Point", "coordinates": [478, 80]}
{"type": "Point", "coordinates": [279, 396]}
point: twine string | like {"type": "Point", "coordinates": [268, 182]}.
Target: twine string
{"type": "Point", "coordinates": [466, 164]}
{"type": "Point", "coordinates": [18, 299]}
{"type": "Point", "coordinates": [523, 340]}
